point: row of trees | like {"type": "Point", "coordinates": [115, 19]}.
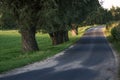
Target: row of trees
{"type": "Point", "coordinates": [54, 16]}
{"type": "Point", "coordinates": [103, 16]}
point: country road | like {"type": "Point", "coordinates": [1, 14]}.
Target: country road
{"type": "Point", "coordinates": [91, 58]}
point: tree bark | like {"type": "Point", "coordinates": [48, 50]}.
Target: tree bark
{"type": "Point", "coordinates": [65, 36]}
{"type": "Point", "coordinates": [29, 42]}
{"type": "Point", "coordinates": [59, 37]}
{"type": "Point", "coordinates": [74, 30]}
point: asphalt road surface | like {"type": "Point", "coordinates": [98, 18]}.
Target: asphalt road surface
{"type": "Point", "coordinates": [91, 58]}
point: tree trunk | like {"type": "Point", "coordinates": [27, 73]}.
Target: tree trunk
{"type": "Point", "coordinates": [29, 42]}
{"type": "Point", "coordinates": [59, 37]}
{"type": "Point", "coordinates": [74, 30]}
{"type": "Point", "coordinates": [65, 36]}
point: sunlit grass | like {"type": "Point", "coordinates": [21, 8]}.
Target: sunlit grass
{"type": "Point", "coordinates": [11, 55]}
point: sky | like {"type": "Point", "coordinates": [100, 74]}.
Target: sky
{"type": "Point", "coordinates": [109, 3]}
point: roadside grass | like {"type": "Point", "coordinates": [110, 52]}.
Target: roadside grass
{"type": "Point", "coordinates": [10, 49]}
{"type": "Point", "coordinates": [116, 44]}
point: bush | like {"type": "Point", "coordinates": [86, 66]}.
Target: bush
{"type": "Point", "coordinates": [115, 32]}
{"type": "Point", "coordinates": [112, 24]}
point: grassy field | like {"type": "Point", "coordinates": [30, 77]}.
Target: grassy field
{"type": "Point", "coordinates": [10, 49]}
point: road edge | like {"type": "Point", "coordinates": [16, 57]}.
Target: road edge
{"type": "Point", "coordinates": [117, 57]}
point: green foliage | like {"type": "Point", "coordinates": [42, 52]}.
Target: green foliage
{"type": "Point", "coordinates": [112, 24]}
{"type": "Point", "coordinates": [7, 21]}
{"type": "Point", "coordinates": [100, 16]}
{"type": "Point", "coordinates": [115, 13]}
{"type": "Point", "coordinates": [67, 12]}
{"type": "Point", "coordinates": [115, 43]}
{"type": "Point", "coordinates": [27, 13]}
{"type": "Point", "coordinates": [116, 32]}
{"type": "Point", "coordinates": [50, 15]}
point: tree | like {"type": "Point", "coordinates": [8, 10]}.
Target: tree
{"type": "Point", "coordinates": [27, 15]}
{"type": "Point", "coordinates": [56, 21]}
{"type": "Point", "coordinates": [82, 9]}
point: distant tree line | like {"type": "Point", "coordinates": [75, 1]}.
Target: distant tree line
{"type": "Point", "coordinates": [103, 16]}
{"type": "Point", "coordinates": [115, 11]}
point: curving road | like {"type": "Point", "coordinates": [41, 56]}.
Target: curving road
{"type": "Point", "coordinates": [91, 58]}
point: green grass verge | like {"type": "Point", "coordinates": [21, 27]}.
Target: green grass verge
{"type": "Point", "coordinates": [116, 44]}
{"type": "Point", "coordinates": [10, 49]}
